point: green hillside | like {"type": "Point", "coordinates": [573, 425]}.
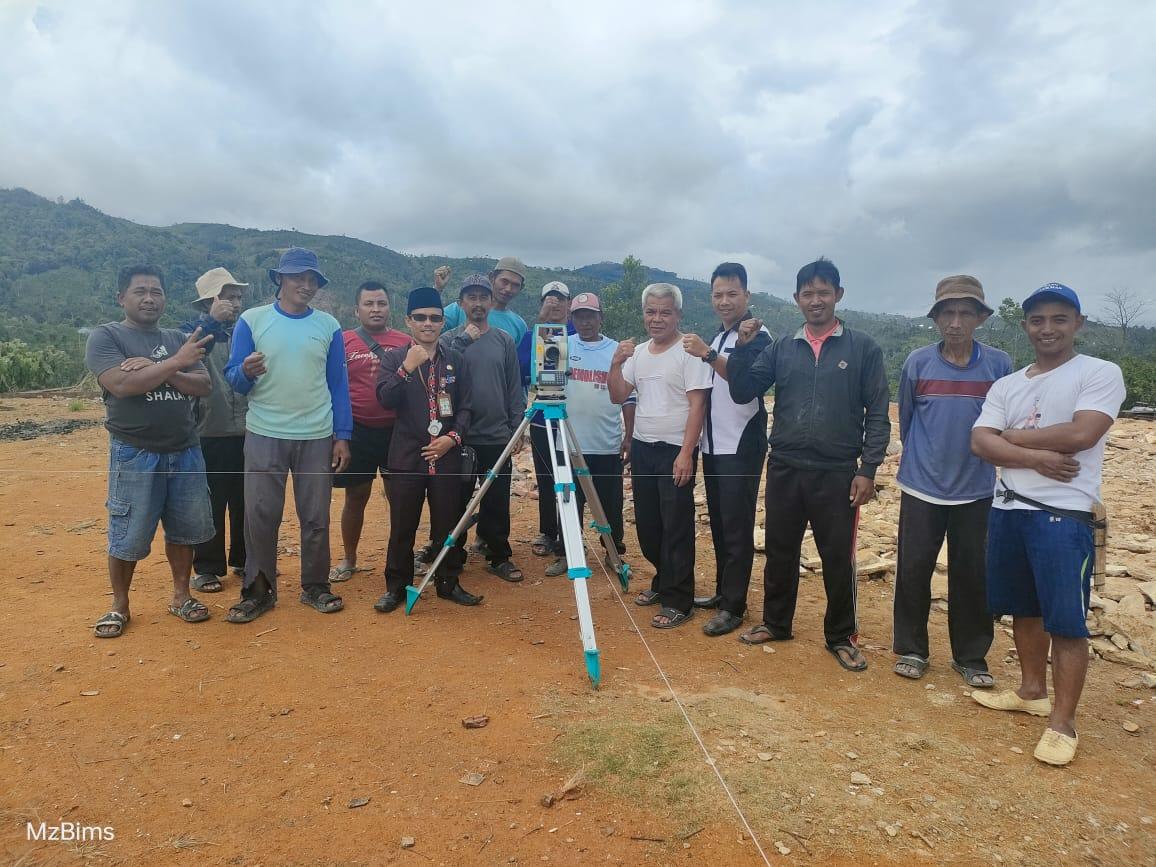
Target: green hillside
{"type": "Point", "coordinates": [58, 265]}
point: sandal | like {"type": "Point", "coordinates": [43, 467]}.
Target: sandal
{"type": "Point", "coordinates": [852, 652]}
{"type": "Point", "coordinates": [206, 583]}
{"type": "Point", "coordinates": [342, 572]}
{"type": "Point", "coordinates": [190, 611]}
{"type": "Point", "coordinates": [322, 600]}
{"type": "Point", "coordinates": [646, 597]}
{"type": "Point", "coordinates": [542, 545]}
{"type": "Point", "coordinates": [112, 623]}
{"type": "Point", "coordinates": [506, 570]}
{"type": "Point", "coordinates": [722, 623]}
{"type": "Point", "coordinates": [761, 634]}
{"type": "Point", "coordinates": [911, 666]}
{"type": "Point", "coordinates": [248, 610]}
{"type": "Point", "coordinates": [975, 677]}
{"type": "Point", "coordinates": [673, 616]}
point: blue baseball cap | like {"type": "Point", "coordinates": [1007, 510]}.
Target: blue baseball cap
{"type": "Point", "coordinates": [1052, 292]}
{"type": "Point", "coordinates": [298, 260]}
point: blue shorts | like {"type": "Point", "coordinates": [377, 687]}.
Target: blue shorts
{"type": "Point", "coordinates": [146, 488]}
{"type": "Point", "coordinates": [1040, 565]}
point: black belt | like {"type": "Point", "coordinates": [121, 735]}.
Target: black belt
{"type": "Point", "coordinates": [1087, 518]}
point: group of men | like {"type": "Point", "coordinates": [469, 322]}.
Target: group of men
{"type": "Point", "coordinates": [214, 420]}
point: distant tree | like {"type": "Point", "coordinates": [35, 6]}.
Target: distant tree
{"type": "Point", "coordinates": [1006, 329]}
{"type": "Point", "coordinates": [1122, 308]}
{"type": "Point", "coordinates": [622, 302]}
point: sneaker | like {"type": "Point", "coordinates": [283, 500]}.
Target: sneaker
{"type": "Point", "coordinates": [1056, 748]}
{"type": "Point", "coordinates": [1009, 700]}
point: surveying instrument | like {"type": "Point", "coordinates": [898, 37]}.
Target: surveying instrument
{"type": "Point", "coordinates": [550, 365]}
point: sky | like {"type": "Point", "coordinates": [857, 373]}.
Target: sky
{"type": "Point", "coordinates": [906, 141]}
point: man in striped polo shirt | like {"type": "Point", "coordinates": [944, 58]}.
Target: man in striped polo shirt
{"type": "Point", "coordinates": [947, 490]}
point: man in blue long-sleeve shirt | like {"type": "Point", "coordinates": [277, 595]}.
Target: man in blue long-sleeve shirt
{"type": "Point", "coordinates": [290, 360]}
{"type": "Point", "coordinates": [946, 489]}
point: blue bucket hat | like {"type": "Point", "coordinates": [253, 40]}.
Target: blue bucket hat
{"type": "Point", "coordinates": [1052, 292]}
{"type": "Point", "coordinates": [298, 260]}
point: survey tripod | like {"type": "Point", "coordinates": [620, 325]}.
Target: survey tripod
{"type": "Point", "coordinates": [569, 468]}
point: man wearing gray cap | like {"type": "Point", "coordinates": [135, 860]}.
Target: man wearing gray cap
{"type": "Point", "coordinates": [221, 426]}
{"type": "Point", "coordinates": [507, 281]}
{"type": "Point", "coordinates": [946, 489]}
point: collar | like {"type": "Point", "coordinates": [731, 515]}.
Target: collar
{"type": "Point", "coordinates": [735, 327]}
{"type": "Point", "coordinates": [837, 331]}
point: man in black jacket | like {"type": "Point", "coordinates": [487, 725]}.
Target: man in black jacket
{"type": "Point", "coordinates": [830, 434]}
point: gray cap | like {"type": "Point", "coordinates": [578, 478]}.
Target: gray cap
{"type": "Point", "coordinates": [512, 263]}
{"type": "Point", "coordinates": [476, 281]}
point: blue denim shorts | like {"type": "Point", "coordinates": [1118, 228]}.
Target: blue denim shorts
{"type": "Point", "coordinates": [1040, 565]}
{"type": "Point", "coordinates": [145, 489]}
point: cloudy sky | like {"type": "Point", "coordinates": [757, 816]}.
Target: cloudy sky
{"type": "Point", "coordinates": [906, 141]}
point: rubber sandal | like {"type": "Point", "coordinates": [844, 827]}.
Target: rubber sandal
{"type": "Point", "coordinates": [322, 600]}
{"type": "Point", "coordinates": [506, 571]}
{"type": "Point", "coordinates": [761, 634]}
{"type": "Point", "coordinates": [114, 623]}
{"type": "Point", "coordinates": [673, 616]}
{"type": "Point", "coordinates": [834, 649]}
{"type": "Point", "coordinates": [722, 623]}
{"type": "Point", "coordinates": [206, 583]}
{"type": "Point", "coordinates": [542, 545]}
{"type": "Point", "coordinates": [1056, 748]}
{"type": "Point", "coordinates": [558, 567]}
{"type": "Point", "coordinates": [974, 677]}
{"type": "Point", "coordinates": [1009, 700]}
{"type": "Point", "coordinates": [911, 661]}
{"type": "Point", "coordinates": [248, 610]}
{"type": "Point", "coordinates": [343, 573]}
{"type": "Point", "coordinates": [646, 597]}
{"type": "Point", "coordinates": [190, 611]}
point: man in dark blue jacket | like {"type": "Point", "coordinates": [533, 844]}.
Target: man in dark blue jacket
{"type": "Point", "coordinates": [830, 434]}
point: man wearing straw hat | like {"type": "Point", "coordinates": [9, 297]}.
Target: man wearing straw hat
{"type": "Point", "coordinates": [221, 426]}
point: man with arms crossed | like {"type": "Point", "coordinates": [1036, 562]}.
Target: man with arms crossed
{"type": "Point", "coordinates": [365, 349]}
{"type": "Point", "coordinates": [156, 472]}
{"type": "Point", "coordinates": [289, 358]}
{"type": "Point", "coordinates": [829, 436]}
{"type": "Point", "coordinates": [672, 388]}
{"type": "Point", "coordinates": [946, 489]}
{"type": "Point", "coordinates": [1045, 427]}
{"type": "Point", "coordinates": [734, 446]}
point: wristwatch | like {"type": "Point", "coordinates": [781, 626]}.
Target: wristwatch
{"type": "Point", "coordinates": [710, 356]}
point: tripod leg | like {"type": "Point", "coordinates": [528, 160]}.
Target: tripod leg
{"type": "Point", "coordinates": [600, 523]}
{"type": "Point", "coordinates": [412, 593]}
{"type": "Point", "coordinates": [571, 531]}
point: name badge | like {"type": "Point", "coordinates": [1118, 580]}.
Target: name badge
{"type": "Point", "coordinates": [445, 405]}
{"type": "Point", "coordinates": [435, 428]}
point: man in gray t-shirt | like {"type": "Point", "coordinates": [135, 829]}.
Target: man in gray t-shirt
{"type": "Point", "coordinates": [148, 377]}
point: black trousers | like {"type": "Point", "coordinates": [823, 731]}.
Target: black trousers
{"type": "Point", "coordinates": [225, 470]}
{"type": "Point", "coordinates": [544, 474]}
{"type": "Point", "coordinates": [922, 527]}
{"type": "Point", "coordinates": [664, 520]}
{"type": "Point", "coordinates": [606, 472]}
{"type": "Point", "coordinates": [793, 498]}
{"type": "Point", "coordinates": [407, 492]}
{"type": "Point", "coordinates": [494, 511]}
{"type": "Point", "coordinates": [732, 493]}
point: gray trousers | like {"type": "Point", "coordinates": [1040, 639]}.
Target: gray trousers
{"type": "Point", "coordinates": [268, 463]}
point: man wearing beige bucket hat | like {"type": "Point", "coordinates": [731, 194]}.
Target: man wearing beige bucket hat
{"type": "Point", "coordinates": [221, 426]}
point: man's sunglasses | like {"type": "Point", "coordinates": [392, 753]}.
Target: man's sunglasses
{"type": "Point", "coordinates": [427, 317]}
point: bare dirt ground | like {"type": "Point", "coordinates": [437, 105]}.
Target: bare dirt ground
{"type": "Point", "coordinates": [223, 744]}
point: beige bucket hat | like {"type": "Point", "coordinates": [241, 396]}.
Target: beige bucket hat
{"type": "Point", "coordinates": [210, 284]}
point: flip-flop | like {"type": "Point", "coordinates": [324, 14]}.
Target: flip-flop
{"type": "Point", "coordinates": [206, 583]}
{"type": "Point", "coordinates": [910, 660]}
{"type": "Point", "coordinates": [344, 573]}
{"type": "Point", "coordinates": [114, 622]}
{"type": "Point", "coordinates": [646, 597]}
{"type": "Point", "coordinates": [975, 677]}
{"type": "Point", "coordinates": [542, 545]}
{"type": "Point", "coordinates": [190, 611]}
{"type": "Point", "coordinates": [761, 634]}
{"type": "Point", "coordinates": [834, 649]}
{"type": "Point", "coordinates": [673, 616]}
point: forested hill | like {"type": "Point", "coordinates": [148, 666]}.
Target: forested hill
{"type": "Point", "coordinates": [58, 265]}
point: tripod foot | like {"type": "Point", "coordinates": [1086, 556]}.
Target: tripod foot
{"type": "Point", "coordinates": [412, 594]}
{"type": "Point", "coordinates": [624, 576]}
{"type": "Point", "coordinates": [594, 667]}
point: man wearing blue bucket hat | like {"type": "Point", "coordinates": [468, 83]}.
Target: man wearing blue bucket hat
{"type": "Point", "coordinates": [289, 358]}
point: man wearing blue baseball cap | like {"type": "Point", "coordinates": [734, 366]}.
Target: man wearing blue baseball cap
{"type": "Point", "coordinates": [1045, 427]}
{"type": "Point", "coordinates": [289, 358]}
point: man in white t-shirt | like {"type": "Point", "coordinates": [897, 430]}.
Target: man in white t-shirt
{"type": "Point", "coordinates": [672, 388]}
{"type": "Point", "coordinates": [1045, 426]}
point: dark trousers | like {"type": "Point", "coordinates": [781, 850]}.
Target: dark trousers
{"type": "Point", "coordinates": [494, 510]}
{"type": "Point", "coordinates": [225, 470]}
{"type": "Point", "coordinates": [922, 526]}
{"type": "Point", "coordinates": [822, 497]}
{"type": "Point", "coordinates": [544, 474]}
{"type": "Point", "coordinates": [664, 520]}
{"type": "Point", "coordinates": [732, 493]}
{"type": "Point", "coordinates": [407, 492]}
{"type": "Point", "coordinates": [606, 473]}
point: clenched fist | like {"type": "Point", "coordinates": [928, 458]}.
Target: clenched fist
{"type": "Point", "coordinates": [442, 276]}
{"type": "Point", "coordinates": [747, 331]}
{"type": "Point", "coordinates": [695, 345]}
{"type": "Point", "coordinates": [624, 351]}
{"type": "Point", "coordinates": [415, 357]}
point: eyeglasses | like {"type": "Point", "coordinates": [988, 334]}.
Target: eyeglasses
{"type": "Point", "coordinates": [435, 318]}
